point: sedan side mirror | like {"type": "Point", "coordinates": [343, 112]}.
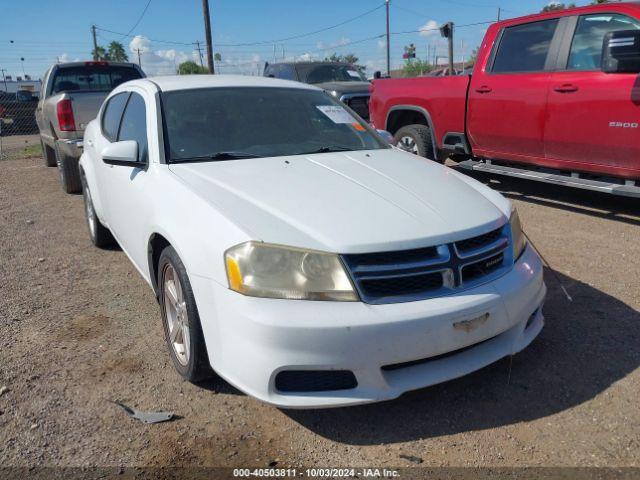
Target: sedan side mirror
{"type": "Point", "coordinates": [621, 52]}
{"type": "Point", "coordinates": [124, 153]}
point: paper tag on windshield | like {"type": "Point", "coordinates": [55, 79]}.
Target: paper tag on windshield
{"type": "Point", "coordinates": [336, 114]}
{"type": "Point", "coordinates": [354, 74]}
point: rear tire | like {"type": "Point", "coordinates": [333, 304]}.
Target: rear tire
{"type": "Point", "coordinates": [100, 235]}
{"type": "Point", "coordinates": [415, 139]}
{"type": "Point", "coordinates": [69, 172]}
{"type": "Point", "coordinates": [180, 318]}
{"type": "Point", "coordinates": [48, 154]}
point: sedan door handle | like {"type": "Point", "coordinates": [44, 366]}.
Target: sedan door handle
{"type": "Point", "coordinates": [484, 89]}
{"type": "Point", "coordinates": [566, 88]}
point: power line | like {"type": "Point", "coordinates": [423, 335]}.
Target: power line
{"type": "Point", "coordinates": [302, 35]}
{"type": "Point", "coordinates": [455, 2]}
{"type": "Point", "coordinates": [139, 19]}
{"type": "Point", "coordinates": [438, 28]}
{"type": "Point", "coordinates": [171, 42]}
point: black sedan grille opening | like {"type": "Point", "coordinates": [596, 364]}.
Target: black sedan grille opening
{"type": "Point", "coordinates": [407, 285]}
{"type": "Point", "coordinates": [393, 258]}
{"type": "Point", "coordinates": [304, 381]}
{"type": "Point", "coordinates": [428, 272]}
{"type": "Point", "coordinates": [478, 242]}
{"type": "Point", "coordinates": [482, 268]}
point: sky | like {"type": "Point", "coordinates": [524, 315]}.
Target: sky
{"type": "Point", "coordinates": [246, 33]}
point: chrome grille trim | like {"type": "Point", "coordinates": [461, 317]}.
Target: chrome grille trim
{"type": "Point", "coordinates": [422, 262]}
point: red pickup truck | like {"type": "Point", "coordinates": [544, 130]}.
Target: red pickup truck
{"type": "Point", "coordinates": [553, 97]}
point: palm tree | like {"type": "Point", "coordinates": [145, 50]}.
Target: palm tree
{"type": "Point", "coordinates": [117, 53]}
{"type": "Point", "coordinates": [99, 53]}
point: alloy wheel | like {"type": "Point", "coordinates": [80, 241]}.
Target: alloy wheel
{"type": "Point", "coordinates": [176, 315]}
{"type": "Point", "coordinates": [90, 212]}
{"type": "Point", "coordinates": [408, 144]}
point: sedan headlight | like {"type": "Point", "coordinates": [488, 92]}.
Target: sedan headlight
{"type": "Point", "coordinates": [517, 236]}
{"type": "Point", "coordinates": [262, 270]}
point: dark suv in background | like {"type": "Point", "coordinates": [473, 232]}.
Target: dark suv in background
{"type": "Point", "coordinates": [341, 80]}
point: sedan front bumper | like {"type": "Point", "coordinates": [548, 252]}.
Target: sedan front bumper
{"type": "Point", "coordinates": [391, 348]}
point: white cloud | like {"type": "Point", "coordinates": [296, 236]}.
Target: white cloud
{"type": "Point", "coordinates": [429, 28]}
{"type": "Point", "coordinates": [382, 44]}
{"type": "Point", "coordinates": [166, 62]}
{"type": "Point", "coordinates": [140, 43]}
{"type": "Point", "coordinates": [305, 57]}
{"type": "Point", "coordinates": [158, 62]}
{"type": "Point", "coordinates": [65, 57]}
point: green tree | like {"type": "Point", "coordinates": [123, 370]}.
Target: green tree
{"type": "Point", "coordinates": [416, 67]}
{"type": "Point", "coordinates": [349, 58]}
{"type": "Point", "coordinates": [473, 57]}
{"type": "Point", "coordinates": [552, 7]}
{"type": "Point", "coordinates": [116, 52]}
{"type": "Point", "coordinates": [189, 68]}
{"type": "Point", "coordinates": [99, 53]}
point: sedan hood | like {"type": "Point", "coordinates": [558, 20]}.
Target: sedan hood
{"type": "Point", "coordinates": [349, 202]}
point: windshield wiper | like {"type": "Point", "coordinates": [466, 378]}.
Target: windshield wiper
{"type": "Point", "coordinates": [328, 149]}
{"type": "Point", "coordinates": [217, 156]}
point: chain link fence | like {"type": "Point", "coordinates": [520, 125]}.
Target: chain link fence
{"type": "Point", "coordinates": [18, 127]}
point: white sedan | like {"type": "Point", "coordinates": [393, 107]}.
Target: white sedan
{"type": "Point", "coordinates": [294, 252]}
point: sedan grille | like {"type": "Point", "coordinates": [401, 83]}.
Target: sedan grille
{"type": "Point", "coordinates": [419, 274]}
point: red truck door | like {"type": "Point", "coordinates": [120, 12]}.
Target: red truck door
{"type": "Point", "coordinates": [593, 117]}
{"type": "Point", "coordinates": [508, 95]}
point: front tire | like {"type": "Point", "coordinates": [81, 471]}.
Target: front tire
{"type": "Point", "coordinates": [182, 329]}
{"type": "Point", "coordinates": [415, 139]}
{"type": "Point", "coordinates": [69, 172]}
{"type": "Point", "coordinates": [100, 235]}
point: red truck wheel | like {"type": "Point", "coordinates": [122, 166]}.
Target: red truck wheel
{"type": "Point", "coordinates": [415, 139]}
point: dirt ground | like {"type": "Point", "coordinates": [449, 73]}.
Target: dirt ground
{"type": "Point", "coordinates": [79, 327]}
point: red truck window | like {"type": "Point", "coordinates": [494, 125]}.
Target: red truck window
{"type": "Point", "coordinates": [586, 48]}
{"type": "Point", "coordinates": [524, 48]}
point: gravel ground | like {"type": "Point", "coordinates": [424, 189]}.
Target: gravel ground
{"type": "Point", "coordinates": [79, 327]}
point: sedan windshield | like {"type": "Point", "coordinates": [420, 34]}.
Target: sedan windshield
{"type": "Point", "coordinates": [215, 124]}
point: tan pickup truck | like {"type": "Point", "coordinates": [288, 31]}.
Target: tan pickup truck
{"type": "Point", "coordinates": [71, 96]}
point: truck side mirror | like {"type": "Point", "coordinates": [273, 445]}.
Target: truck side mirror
{"type": "Point", "coordinates": [621, 52]}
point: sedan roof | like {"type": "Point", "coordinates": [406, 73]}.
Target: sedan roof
{"type": "Point", "coordinates": [188, 82]}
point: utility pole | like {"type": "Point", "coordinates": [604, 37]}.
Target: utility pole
{"type": "Point", "coordinates": [139, 62]}
{"type": "Point", "coordinates": [499, 13]}
{"type": "Point", "coordinates": [199, 53]}
{"type": "Point", "coordinates": [207, 32]}
{"type": "Point", "coordinates": [386, 2]}
{"type": "Point", "coordinates": [450, 48]}
{"type": "Point", "coordinates": [95, 43]}
{"type": "Point", "coordinates": [4, 79]}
